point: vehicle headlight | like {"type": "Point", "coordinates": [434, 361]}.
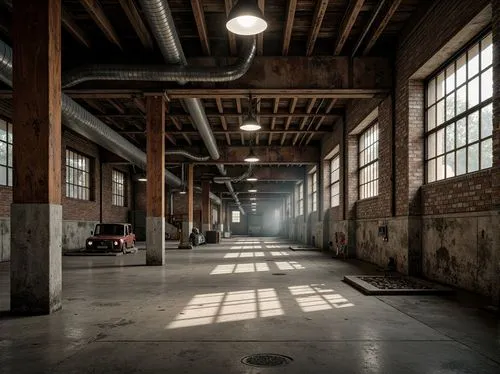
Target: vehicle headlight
{"type": "Point", "coordinates": [115, 242]}
{"type": "Point", "coordinates": [89, 242]}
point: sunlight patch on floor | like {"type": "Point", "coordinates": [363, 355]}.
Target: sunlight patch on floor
{"type": "Point", "coordinates": [318, 298]}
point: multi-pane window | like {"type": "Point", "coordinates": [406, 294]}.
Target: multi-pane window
{"type": "Point", "coordinates": [314, 192]}
{"type": "Point", "coordinates": [235, 216]}
{"type": "Point", "coordinates": [5, 153]}
{"type": "Point", "coordinates": [368, 162]}
{"type": "Point", "coordinates": [459, 120]}
{"type": "Point", "coordinates": [289, 206]}
{"type": "Point", "coordinates": [335, 181]}
{"type": "Point", "coordinates": [118, 188]}
{"type": "Point", "coordinates": [77, 175]}
{"type": "Point", "coordinates": [300, 200]}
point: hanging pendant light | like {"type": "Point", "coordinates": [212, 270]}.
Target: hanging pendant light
{"type": "Point", "coordinates": [246, 18]}
{"type": "Point", "coordinates": [250, 123]}
{"type": "Point", "coordinates": [251, 157]}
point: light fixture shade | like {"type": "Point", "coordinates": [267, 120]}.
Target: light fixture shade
{"type": "Point", "coordinates": [246, 18]}
{"type": "Point", "coordinates": [250, 123]}
{"type": "Point", "coordinates": [183, 192]}
{"type": "Point", "coordinates": [251, 157]}
{"type": "Point", "coordinates": [252, 190]}
{"type": "Point", "coordinates": [252, 179]}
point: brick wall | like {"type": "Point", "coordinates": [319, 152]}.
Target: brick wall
{"type": "Point", "coordinates": [110, 212]}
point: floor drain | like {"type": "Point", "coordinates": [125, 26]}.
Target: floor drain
{"type": "Point", "coordinates": [279, 274]}
{"type": "Point", "coordinates": [266, 359]}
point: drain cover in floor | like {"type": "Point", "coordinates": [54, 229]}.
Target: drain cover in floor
{"type": "Point", "coordinates": [266, 359]}
{"type": "Point", "coordinates": [278, 274]}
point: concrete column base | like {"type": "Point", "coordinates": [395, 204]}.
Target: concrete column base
{"type": "Point", "coordinates": [155, 241]}
{"type": "Point", "coordinates": [187, 227]}
{"type": "Point", "coordinates": [35, 267]}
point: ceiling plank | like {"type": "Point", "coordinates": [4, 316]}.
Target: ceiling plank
{"type": "Point", "coordinates": [228, 139]}
{"type": "Point", "coordinates": [309, 108]}
{"type": "Point", "coordinates": [223, 122]}
{"type": "Point", "coordinates": [176, 122]}
{"type": "Point", "coordinates": [199, 16]}
{"type": "Point", "coordinates": [331, 105]}
{"type": "Point", "coordinates": [293, 104]}
{"type": "Point", "coordinates": [283, 137]}
{"type": "Point", "coordinates": [319, 13]}
{"type": "Point", "coordinates": [270, 140]}
{"type": "Point", "coordinates": [290, 16]}
{"type": "Point", "coordinates": [296, 138]}
{"type": "Point", "coordinates": [96, 12]}
{"type": "Point", "coordinates": [170, 139]}
{"type": "Point", "coordinates": [232, 39]}
{"type": "Point", "coordinates": [137, 23]}
{"type": "Point", "coordinates": [380, 27]}
{"type": "Point", "coordinates": [220, 107]}
{"type": "Point", "coordinates": [348, 21]}
{"type": "Point", "coordinates": [260, 37]}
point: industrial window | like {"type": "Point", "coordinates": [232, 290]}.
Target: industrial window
{"type": "Point", "coordinates": [314, 192]}
{"type": "Point", "coordinates": [77, 175]}
{"type": "Point", "coordinates": [300, 200]}
{"type": "Point", "coordinates": [335, 181]}
{"type": "Point", "coordinates": [289, 206]}
{"type": "Point", "coordinates": [235, 216]}
{"type": "Point", "coordinates": [368, 162]}
{"type": "Point", "coordinates": [5, 153]}
{"type": "Point", "coordinates": [118, 188]}
{"type": "Point", "coordinates": [459, 108]}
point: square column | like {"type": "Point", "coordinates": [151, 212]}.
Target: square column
{"type": "Point", "coordinates": [36, 213]}
{"type": "Point", "coordinates": [205, 206]}
{"type": "Point", "coordinates": [187, 223]}
{"type": "Point", "coordinates": [155, 189]}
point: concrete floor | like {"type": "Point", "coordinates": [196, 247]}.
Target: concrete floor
{"type": "Point", "coordinates": [211, 306]}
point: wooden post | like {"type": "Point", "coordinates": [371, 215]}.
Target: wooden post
{"type": "Point", "coordinates": [205, 206]}
{"type": "Point", "coordinates": [155, 190]}
{"type": "Point", "coordinates": [36, 214]}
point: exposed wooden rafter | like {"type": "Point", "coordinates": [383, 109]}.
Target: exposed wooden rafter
{"type": "Point", "coordinates": [75, 30]}
{"type": "Point", "coordinates": [347, 23]}
{"type": "Point", "coordinates": [97, 14]}
{"type": "Point", "coordinates": [232, 39]}
{"type": "Point", "coordinates": [381, 25]}
{"type": "Point", "coordinates": [290, 16]}
{"type": "Point", "coordinates": [319, 13]}
{"type": "Point", "coordinates": [199, 16]}
{"type": "Point", "coordinates": [117, 106]}
{"type": "Point", "coordinates": [137, 23]}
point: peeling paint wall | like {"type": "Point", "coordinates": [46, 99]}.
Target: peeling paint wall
{"type": "Point", "coordinates": [4, 239]}
{"type": "Point", "coordinates": [459, 250]}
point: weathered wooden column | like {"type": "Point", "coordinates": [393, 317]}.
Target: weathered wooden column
{"type": "Point", "coordinates": [36, 213]}
{"type": "Point", "coordinates": [205, 206]}
{"type": "Point", "coordinates": [155, 190]}
{"type": "Point", "coordinates": [187, 223]}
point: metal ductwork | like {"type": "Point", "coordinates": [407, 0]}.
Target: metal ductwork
{"type": "Point", "coordinates": [180, 152]}
{"type": "Point", "coordinates": [245, 175]}
{"type": "Point", "coordinates": [234, 196]}
{"type": "Point", "coordinates": [159, 18]}
{"type": "Point", "coordinates": [84, 123]}
{"type": "Point", "coordinates": [165, 73]}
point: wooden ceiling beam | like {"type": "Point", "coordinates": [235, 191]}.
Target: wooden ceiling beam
{"type": "Point", "coordinates": [236, 130]}
{"type": "Point", "coordinates": [188, 140]}
{"type": "Point", "coordinates": [232, 39]}
{"type": "Point", "coordinates": [270, 139]}
{"type": "Point", "coordinates": [117, 106]}
{"type": "Point", "coordinates": [260, 37]}
{"type": "Point", "coordinates": [199, 16]}
{"type": "Point", "coordinates": [331, 105]}
{"type": "Point", "coordinates": [283, 137]}
{"type": "Point", "coordinates": [228, 139]}
{"type": "Point", "coordinates": [220, 107]}
{"type": "Point", "coordinates": [348, 21]}
{"type": "Point", "coordinates": [97, 14]}
{"type": "Point", "coordinates": [171, 139]}
{"type": "Point", "coordinates": [290, 16]}
{"type": "Point", "coordinates": [137, 23]}
{"type": "Point", "coordinates": [140, 104]}
{"type": "Point", "coordinates": [319, 13]}
{"type": "Point", "coordinates": [95, 106]}
{"type": "Point", "coordinates": [275, 110]}
{"type": "Point", "coordinates": [309, 108]}
{"type": "Point", "coordinates": [381, 25]}
{"type": "Point", "coordinates": [70, 25]}
{"type": "Point", "coordinates": [176, 122]}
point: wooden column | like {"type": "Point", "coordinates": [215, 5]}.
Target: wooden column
{"type": "Point", "coordinates": [205, 206]}
{"type": "Point", "coordinates": [187, 222]}
{"type": "Point", "coordinates": [36, 214]}
{"type": "Point", "coordinates": [155, 190]}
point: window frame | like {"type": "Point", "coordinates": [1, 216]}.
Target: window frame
{"type": "Point", "coordinates": [314, 191]}
{"type": "Point", "coordinates": [118, 199]}
{"type": "Point", "coordinates": [233, 216]}
{"type": "Point", "coordinates": [300, 200]}
{"type": "Point", "coordinates": [335, 182]}
{"type": "Point", "coordinates": [373, 162]}
{"type": "Point", "coordinates": [456, 118]}
{"type": "Point", "coordinates": [9, 154]}
{"type": "Point", "coordinates": [70, 186]}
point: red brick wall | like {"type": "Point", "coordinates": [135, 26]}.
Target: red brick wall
{"type": "Point", "coordinates": [112, 213]}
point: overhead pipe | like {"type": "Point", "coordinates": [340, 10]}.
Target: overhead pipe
{"type": "Point", "coordinates": [164, 73]}
{"type": "Point", "coordinates": [180, 152]}
{"type": "Point", "coordinates": [245, 175]}
{"type": "Point", "coordinates": [160, 20]}
{"type": "Point", "coordinates": [76, 118]}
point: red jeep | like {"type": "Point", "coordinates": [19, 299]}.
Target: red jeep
{"type": "Point", "coordinates": [111, 237]}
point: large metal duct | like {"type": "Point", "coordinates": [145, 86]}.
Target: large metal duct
{"type": "Point", "coordinates": [159, 17]}
{"type": "Point", "coordinates": [163, 73]}
{"type": "Point", "coordinates": [180, 152]}
{"type": "Point", "coordinates": [84, 123]}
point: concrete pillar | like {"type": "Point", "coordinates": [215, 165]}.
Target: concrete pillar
{"type": "Point", "coordinates": [205, 206]}
{"type": "Point", "coordinates": [220, 225]}
{"type": "Point", "coordinates": [155, 189]}
{"type": "Point", "coordinates": [36, 213]}
{"type": "Point", "coordinates": [187, 223]}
